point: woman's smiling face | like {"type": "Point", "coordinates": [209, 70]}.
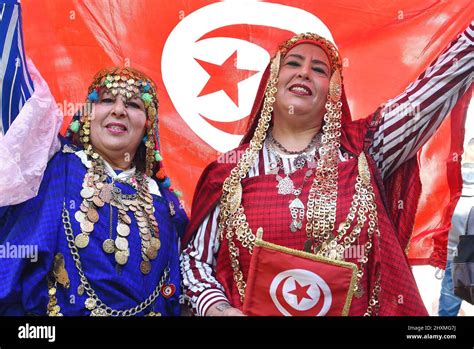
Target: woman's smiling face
{"type": "Point", "coordinates": [303, 82]}
{"type": "Point", "coordinates": [117, 124]}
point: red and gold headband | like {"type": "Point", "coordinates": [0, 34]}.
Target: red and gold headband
{"type": "Point", "coordinates": [312, 38]}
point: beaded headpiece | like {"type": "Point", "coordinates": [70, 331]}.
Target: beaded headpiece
{"type": "Point", "coordinates": [312, 38]}
{"type": "Point", "coordinates": [128, 83]}
{"type": "Point", "coordinates": [335, 86]}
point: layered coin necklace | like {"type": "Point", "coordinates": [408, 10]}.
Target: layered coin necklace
{"type": "Point", "coordinates": [96, 192]}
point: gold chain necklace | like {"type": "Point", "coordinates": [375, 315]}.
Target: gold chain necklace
{"type": "Point", "coordinates": [93, 302]}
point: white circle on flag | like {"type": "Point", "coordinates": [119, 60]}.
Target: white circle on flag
{"type": "Point", "coordinates": [184, 78]}
{"type": "Point", "coordinates": [300, 290]}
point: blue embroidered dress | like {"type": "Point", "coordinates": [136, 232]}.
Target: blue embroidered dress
{"type": "Point", "coordinates": [38, 222]}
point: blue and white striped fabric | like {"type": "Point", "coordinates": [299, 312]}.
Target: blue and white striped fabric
{"type": "Point", "coordinates": [16, 85]}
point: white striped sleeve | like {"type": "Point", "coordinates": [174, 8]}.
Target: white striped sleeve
{"type": "Point", "coordinates": [409, 120]}
{"type": "Point", "coordinates": [198, 262]}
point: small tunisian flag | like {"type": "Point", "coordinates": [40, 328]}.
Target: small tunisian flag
{"type": "Point", "coordinates": [283, 281]}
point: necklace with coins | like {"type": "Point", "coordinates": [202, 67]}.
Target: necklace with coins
{"type": "Point", "coordinates": [93, 302]}
{"type": "Point", "coordinates": [322, 198]}
{"type": "Point", "coordinates": [96, 192]}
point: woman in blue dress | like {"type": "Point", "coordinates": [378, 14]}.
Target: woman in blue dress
{"type": "Point", "coordinates": [101, 237]}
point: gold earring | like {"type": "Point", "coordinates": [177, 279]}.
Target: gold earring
{"type": "Point", "coordinates": [335, 86]}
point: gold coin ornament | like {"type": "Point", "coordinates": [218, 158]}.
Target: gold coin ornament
{"type": "Point", "coordinates": [108, 246]}
{"type": "Point", "coordinates": [121, 257]}
{"type": "Point", "coordinates": [145, 267]}
{"type": "Point", "coordinates": [82, 240]}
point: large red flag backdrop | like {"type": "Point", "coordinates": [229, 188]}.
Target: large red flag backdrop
{"type": "Point", "coordinates": [207, 59]}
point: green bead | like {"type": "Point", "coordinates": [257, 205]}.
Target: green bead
{"type": "Point", "coordinates": [158, 156]}
{"type": "Point", "coordinates": [147, 98]}
{"type": "Point", "coordinates": [178, 193]}
{"type": "Point", "coordinates": [74, 126]}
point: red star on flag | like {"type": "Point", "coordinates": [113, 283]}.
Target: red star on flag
{"type": "Point", "coordinates": [300, 291]}
{"type": "Point", "coordinates": [225, 77]}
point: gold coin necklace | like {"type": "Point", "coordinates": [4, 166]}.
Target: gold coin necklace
{"type": "Point", "coordinates": [96, 192]}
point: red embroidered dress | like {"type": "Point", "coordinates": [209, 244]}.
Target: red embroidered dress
{"type": "Point", "coordinates": [390, 140]}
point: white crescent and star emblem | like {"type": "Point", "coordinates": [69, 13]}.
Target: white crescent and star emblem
{"type": "Point", "coordinates": [212, 82]}
{"type": "Point", "coordinates": [296, 291]}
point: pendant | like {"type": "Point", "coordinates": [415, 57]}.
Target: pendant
{"type": "Point", "coordinates": [155, 243]}
{"type": "Point", "coordinates": [125, 218]}
{"type": "Point", "coordinates": [332, 254]}
{"type": "Point", "coordinates": [121, 257]}
{"type": "Point", "coordinates": [335, 251]}
{"type": "Point", "coordinates": [285, 185]}
{"type": "Point", "coordinates": [297, 213]}
{"type": "Point", "coordinates": [90, 303]}
{"type": "Point", "coordinates": [92, 215]}
{"type": "Point", "coordinates": [86, 226]}
{"type": "Point", "coordinates": [108, 246]}
{"type": "Point", "coordinates": [295, 226]}
{"type": "Point", "coordinates": [168, 290]}
{"type": "Point", "coordinates": [106, 193]}
{"type": "Point", "coordinates": [145, 267]}
{"type": "Point", "coordinates": [296, 204]}
{"type": "Point", "coordinates": [121, 243]}
{"type": "Point", "coordinates": [299, 161]}
{"type": "Point", "coordinates": [80, 289]}
{"type": "Point", "coordinates": [97, 201]}
{"type": "Point", "coordinates": [151, 253]}
{"type": "Point", "coordinates": [80, 216]}
{"type": "Point", "coordinates": [59, 270]}
{"type": "Point", "coordinates": [81, 240]}
{"type": "Point", "coordinates": [123, 229]}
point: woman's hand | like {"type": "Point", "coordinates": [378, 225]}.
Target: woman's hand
{"type": "Point", "coordinates": [223, 309]}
